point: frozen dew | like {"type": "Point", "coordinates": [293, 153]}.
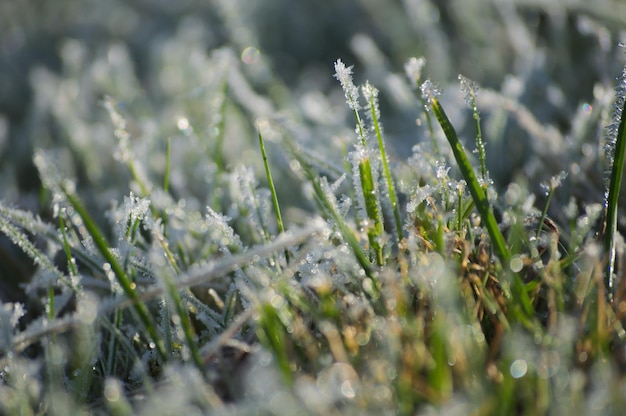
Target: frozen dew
{"type": "Point", "coordinates": [370, 93]}
{"type": "Point", "coordinates": [616, 113]}
{"type": "Point", "coordinates": [470, 90]}
{"type": "Point", "coordinates": [554, 182]}
{"type": "Point", "coordinates": [586, 108]}
{"type": "Point", "coordinates": [351, 92]}
{"type": "Point", "coordinates": [421, 193]}
{"type": "Point", "coordinates": [250, 55]}
{"type": "Point", "coordinates": [442, 171]}
{"type": "Point", "coordinates": [136, 208]}
{"type": "Point", "coordinates": [413, 69]}
{"type": "Point", "coordinates": [430, 90]}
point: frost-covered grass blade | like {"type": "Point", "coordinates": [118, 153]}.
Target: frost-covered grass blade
{"type": "Point", "coordinates": [617, 154]}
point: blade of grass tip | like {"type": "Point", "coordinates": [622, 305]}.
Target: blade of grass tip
{"type": "Point", "coordinates": [122, 278]}
{"type": "Point", "coordinates": [370, 94]}
{"type": "Point", "coordinates": [270, 181]}
{"type": "Point", "coordinates": [612, 200]}
{"type": "Point", "coordinates": [482, 205]}
{"type": "Point", "coordinates": [413, 69]}
{"type": "Point", "coordinates": [470, 88]}
{"type": "Point", "coordinates": [368, 190]}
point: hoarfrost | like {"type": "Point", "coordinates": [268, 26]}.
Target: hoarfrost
{"type": "Point", "coordinates": [429, 91]}
{"type": "Point", "coordinates": [351, 92]}
{"type": "Point", "coordinates": [413, 69]}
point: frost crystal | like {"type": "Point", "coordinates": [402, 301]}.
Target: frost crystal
{"type": "Point", "coordinates": [470, 89]}
{"type": "Point", "coordinates": [442, 170]}
{"type": "Point", "coordinates": [122, 152]}
{"type": "Point", "coordinates": [429, 90]}
{"type": "Point", "coordinates": [357, 158]}
{"type": "Point", "coordinates": [554, 182]}
{"type": "Point", "coordinates": [413, 69]}
{"type": "Point", "coordinates": [616, 114]}
{"type": "Point", "coordinates": [370, 93]}
{"type": "Point", "coordinates": [420, 196]}
{"type": "Point", "coordinates": [344, 75]}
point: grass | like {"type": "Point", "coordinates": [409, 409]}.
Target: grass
{"type": "Point", "coordinates": [233, 248]}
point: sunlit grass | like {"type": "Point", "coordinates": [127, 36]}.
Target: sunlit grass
{"type": "Point", "coordinates": [169, 281]}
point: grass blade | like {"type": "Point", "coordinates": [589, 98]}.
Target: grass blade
{"type": "Point", "coordinates": [370, 94]}
{"type": "Point", "coordinates": [500, 246]}
{"type": "Point", "coordinates": [612, 204]}
{"type": "Point", "coordinates": [270, 181]}
{"type": "Point", "coordinates": [121, 275]}
{"type": "Point", "coordinates": [477, 191]}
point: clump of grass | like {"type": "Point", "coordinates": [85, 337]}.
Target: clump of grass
{"type": "Point", "coordinates": [180, 300]}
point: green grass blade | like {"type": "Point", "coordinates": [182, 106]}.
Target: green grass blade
{"type": "Point", "coordinates": [185, 322]}
{"type": "Point", "coordinates": [470, 88]}
{"type": "Point", "coordinates": [270, 181]}
{"type": "Point", "coordinates": [615, 185]}
{"type": "Point", "coordinates": [477, 191]}
{"type": "Point", "coordinates": [520, 295]}
{"type": "Point", "coordinates": [121, 275]}
{"type": "Point", "coordinates": [372, 208]}
{"type": "Point", "coordinates": [373, 107]}
{"type": "Point", "coordinates": [331, 211]}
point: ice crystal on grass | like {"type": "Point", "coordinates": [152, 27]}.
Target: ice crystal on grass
{"type": "Point", "coordinates": [616, 112]}
{"type": "Point", "coordinates": [429, 91]}
{"type": "Point", "coordinates": [357, 158]}
{"type": "Point", "coordinates": [351, 92]}
{"type": "Point", "coordinates": [413, 69]}
{"type": "Point", "coordinates": [370, 93]}
{"type": "Point", "coordinates": [470, 90]}
{"type": "Point", "coordinates": [41, 259]}
{"type": "Point", "coordinates": [222, 233]}
{"type": "Point", "coordinates": [554, 182]}
{"type": "Point", "coordinates": [10, 314]}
